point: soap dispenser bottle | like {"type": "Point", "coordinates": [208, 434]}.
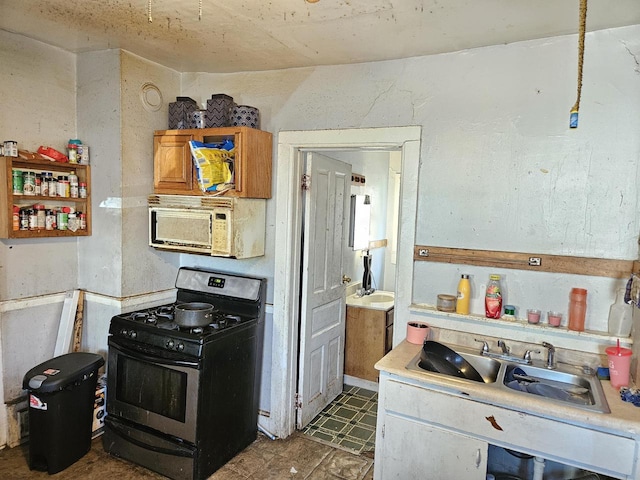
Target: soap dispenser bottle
{"type": "Point", "coordinates": [620, 316]}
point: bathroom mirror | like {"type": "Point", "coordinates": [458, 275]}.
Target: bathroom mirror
{"type": "Point", "coordinates": [359, 222]}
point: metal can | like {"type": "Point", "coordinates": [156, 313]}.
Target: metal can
{"type": "Point", "coordinates": [28, 183]}
{"type": "Point", "coordinates": [63, 220]}
{"type": "Point", "coordinates": [17, 182]}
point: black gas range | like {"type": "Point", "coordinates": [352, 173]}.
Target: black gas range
{"type": "Point", "coordinates": [184, 401]}
{"type": "Point", "coordinates": [155, 326]}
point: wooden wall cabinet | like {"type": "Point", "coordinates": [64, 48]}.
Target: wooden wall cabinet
{"type": "Point", "coordinates": [368, 338]}
{"type": "Point", "coordinates": [8, 199]}
{"type": "Point", "coordinates": [175, 174]}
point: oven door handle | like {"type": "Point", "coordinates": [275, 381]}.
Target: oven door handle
{"type": "Point", "coordinates": [138, 355]}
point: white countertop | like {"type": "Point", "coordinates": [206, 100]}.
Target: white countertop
{"type": "Point", "coordinates": [624, 418]}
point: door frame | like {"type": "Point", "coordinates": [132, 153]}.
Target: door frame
{"type": "Point", "coordinates": [288, 229]}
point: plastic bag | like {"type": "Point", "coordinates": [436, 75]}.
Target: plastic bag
{"type": "Point", "coordinates": [214, 165]}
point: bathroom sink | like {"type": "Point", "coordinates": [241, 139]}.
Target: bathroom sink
{"type": "Point", "coordinates": [565, 385]}
{"type": "Point", "coordinates": [381, 300]}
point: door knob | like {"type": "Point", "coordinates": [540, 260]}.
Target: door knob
{"type": "Point", "coordinates": [345, 279]}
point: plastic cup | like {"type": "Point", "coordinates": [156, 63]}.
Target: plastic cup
{"type": "Point", "coordinates": [555, 319]}
{"type": "Point", "coordinates": [533, 316]}
{"type": "Point", "coordinates": [619, 364]}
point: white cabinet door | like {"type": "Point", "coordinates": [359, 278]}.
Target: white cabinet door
{"type": "Point", "coordinates": [413, 450]}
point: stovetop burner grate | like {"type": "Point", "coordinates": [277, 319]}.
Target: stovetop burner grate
{"type": "Point", "coordinates": [163, 317]}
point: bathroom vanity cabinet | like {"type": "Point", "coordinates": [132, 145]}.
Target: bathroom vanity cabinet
{"type": "Point", "coordinates": [368, 338]}
{"type": "Point", "coordinates": [425, 427]}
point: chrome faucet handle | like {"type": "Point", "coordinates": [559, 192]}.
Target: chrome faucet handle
{"type": "Point", "coordinates": [485, 345]}
{"type": "Point", "coordinates": [527, 355]}
{"type": "Point", "coordinates": [551, 355]}
{"type": "Point", "coordinates": [503, 346]}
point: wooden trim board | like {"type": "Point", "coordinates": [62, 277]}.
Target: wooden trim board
{"type": "Point", "coordinates": [599, 267]}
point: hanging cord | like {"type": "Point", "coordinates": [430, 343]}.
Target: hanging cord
{"type": "Point", "coordinates": [200, 10]}
{"type": "Point", "coordinates": [573, 122]}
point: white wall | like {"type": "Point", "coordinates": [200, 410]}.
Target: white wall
{"type": "Point", "coordinates": [500, 169]}
{"type": "Point", "coordinates": [37, 87]}
{"type": "Point", "coordinates": [116, 260]}
{"type": "Point", "coordinates": [374, 165]}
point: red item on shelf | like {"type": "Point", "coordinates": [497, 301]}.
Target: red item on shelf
{"type": "Point", "coordinates": [53, 154]}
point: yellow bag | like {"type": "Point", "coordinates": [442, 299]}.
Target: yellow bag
{"type": "Point", "coordinates": [214, 165]}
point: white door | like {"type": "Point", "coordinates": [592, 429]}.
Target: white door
{"type": "Point", "coordinates": [322, 302]}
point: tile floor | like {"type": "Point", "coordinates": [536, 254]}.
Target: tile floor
{"type": "Point", "coordinates": [349, 421]}
{"type": "Point", "coordinates": [297, 457]}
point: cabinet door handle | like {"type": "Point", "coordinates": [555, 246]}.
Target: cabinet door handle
{"type": "Point", "coordinates": [478, 458]}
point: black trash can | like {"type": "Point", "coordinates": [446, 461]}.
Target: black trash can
{"type": "Point", "coordinates": [61, 398]}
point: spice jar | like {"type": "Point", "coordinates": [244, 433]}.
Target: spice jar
{"type": "Point", "coordinates": [24, 219]}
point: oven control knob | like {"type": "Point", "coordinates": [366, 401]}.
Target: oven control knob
{"type": "Point", "coordinates": [133, 334]}
{"type": "Point", "coordinates": [180, 347]}
{"type": "Point", "coordinates": [124, 332]}
{"type": "Point", "coordinates": [170, 344]}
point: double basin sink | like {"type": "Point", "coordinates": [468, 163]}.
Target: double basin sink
{"type": "Point", "coordinates": [564, 385]}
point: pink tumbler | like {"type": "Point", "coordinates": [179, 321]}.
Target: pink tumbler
{"type": "Point", "coordinates": [619, 364]}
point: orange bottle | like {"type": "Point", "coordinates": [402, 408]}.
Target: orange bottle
{"type": "Point", "coordinates": [577, 309]}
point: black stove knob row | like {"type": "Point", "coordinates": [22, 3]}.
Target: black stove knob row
{"type": "Point", "coordinates": [128, 333]}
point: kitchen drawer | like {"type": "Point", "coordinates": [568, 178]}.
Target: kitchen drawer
{"type": "Point", "coordinates": [554, 440]}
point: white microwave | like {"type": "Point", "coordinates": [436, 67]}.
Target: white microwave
{"type": "Point", "coordinates": [218, 226]}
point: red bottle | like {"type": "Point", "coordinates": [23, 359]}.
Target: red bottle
{"type": "Point", "coordinates": [493, 298]}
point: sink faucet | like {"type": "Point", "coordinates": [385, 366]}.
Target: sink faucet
{"type": "Point", "coordinates": [551, 355]}
{"type": "Point", "coordinates": [503, 346]}
{"type": "Point", "coordinates": [505, 354]}
{"type": "Point", "coordinates": [485, 346]}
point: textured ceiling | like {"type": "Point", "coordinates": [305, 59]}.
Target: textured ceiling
{"type": "Point", "coordinates": [249, 35]}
